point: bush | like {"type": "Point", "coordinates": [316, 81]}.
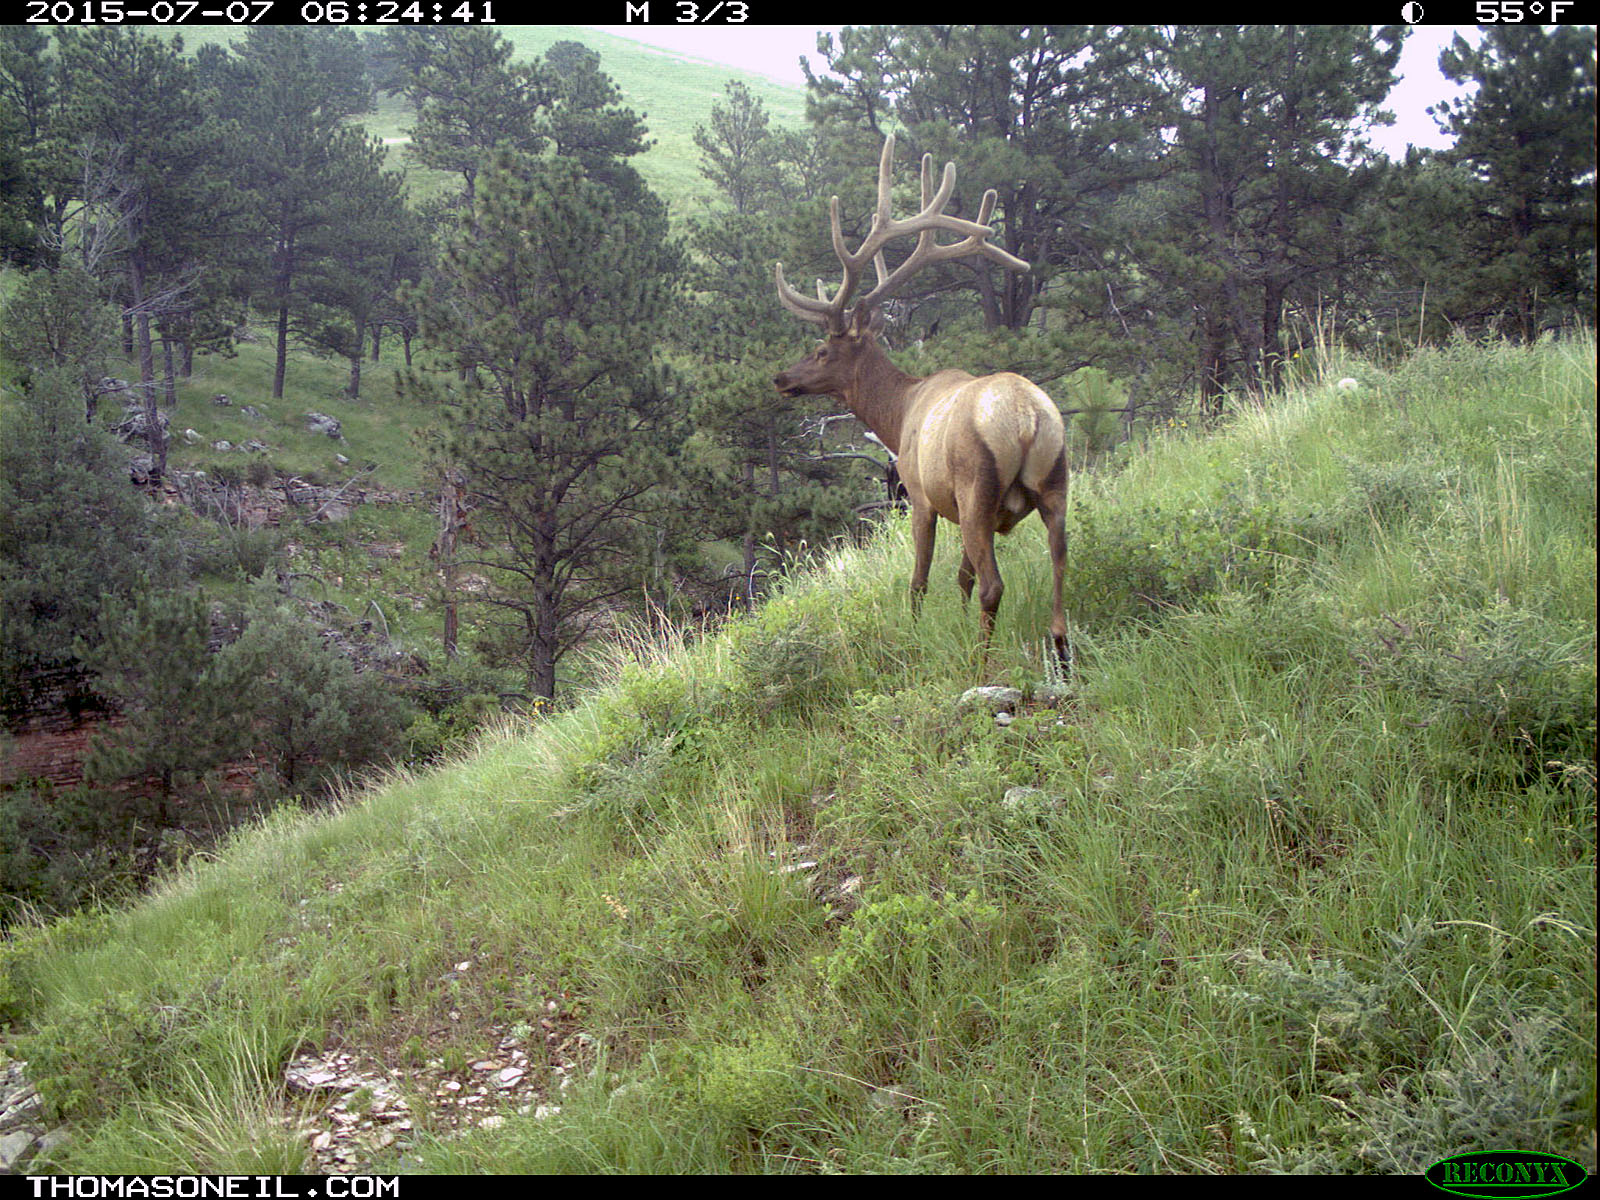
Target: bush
{"type": "Point", "coordinates": [1506, 695]}
{"type": "Point", "coordinates": [1128, 564]}
{"type": "Point", "coordinates": [754, 1086]}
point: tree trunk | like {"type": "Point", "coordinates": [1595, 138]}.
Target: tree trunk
{"type": "Point", "coordinates": [449, 524]}
{"type": "Point", "coordinates": [282, 363]}
{"type": "Point", "coordinates": [282, 283]}
{"type": "Point", "coordinates": [169, 382]}
{"type": "Point", "coordinates": [147, 366]}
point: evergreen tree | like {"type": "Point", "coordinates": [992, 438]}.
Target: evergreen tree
{"type": "Point", "coordinates": [739, 152]}
{"type": "Point", "coordinates": [587, 123]}
{"type": "Point", "coordinates": [58, 320]}
{"type": "Point", "coordinates": [177, 702]}
{"type": "Point", "coordinates": [74, 537]}
{"type": "Point", "coordinates": [550, 301]}
{"type": "Point", "coordinates": [470, 99]}
{"type": "Point", "coordinates": [760, 455]}
{"type": "Point", "coordinates": [306, 708]}
{"type": "Point", "coordinates": [1266, 117]}
{"type": "Point", "coordinates": [1054, 118]}
{"type": "Point", "coordinates": [357, 266]}
{"type": "Point", "coordinates": [141, 124]}
{"type": "Point", "coordinates": [1527, 134]}
{"type": "Point", "coordinates": [36, 176]}
{"type": "Point", "coordinates": [322, 202]}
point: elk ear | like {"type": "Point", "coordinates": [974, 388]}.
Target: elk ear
{"type": "Point", "coordinates": [864, 321]}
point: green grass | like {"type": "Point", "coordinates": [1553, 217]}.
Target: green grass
{"type": "Point", "coordinates": [1305, 880]}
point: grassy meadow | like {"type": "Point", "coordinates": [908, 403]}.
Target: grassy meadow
{"type": "Point", "coordinates": [672, 93]}
{"type": "Point", "coordinates": [1296, 874]}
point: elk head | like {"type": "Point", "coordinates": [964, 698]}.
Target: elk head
{"type": "Point", "coordinates": [852, 331]}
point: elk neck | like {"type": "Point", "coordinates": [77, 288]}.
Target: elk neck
{"type": "Point", "coordinates": [879, 394]}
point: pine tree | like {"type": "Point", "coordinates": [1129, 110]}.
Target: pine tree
{"type": "Point", "coordinates": [1528, 136]}
{"type": "Point", "coordinates": [74, 537]}
{"type": "Point", "coordinates": [177, 703]}
{"type": "Point", "coordinates": [739, 152]}
{"type": "Point", "coordinates": [368, 233]}
{"type": "Point", "coordinates": [58, 320]}
{"type": "Point", "coordinates": [758, 453]}
{"type": "Point", "coordinates": [1054, 118]}
{"type": "Point", "coordinates": [470, 99]}
{"type": "Point", "coordinates": [141, 126]}
{"type": "Point", "coordinates": [321, 203]}
{"type": "Point", "coordinates": [36, 176]}
{"type": "Point", "coordinates": [550, 301]}
{"type": "Point", "coordinates": [1266, 117]}
{"type": "Point", "coordinates": [306, 708]}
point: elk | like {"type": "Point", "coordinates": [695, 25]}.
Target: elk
{"type": "Point", "coordinates": [982, 452]}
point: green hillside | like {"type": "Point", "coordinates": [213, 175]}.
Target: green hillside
{"type": "Point", "coordinates": [671, 92]}
{"type": "Point", "coordinates": [1296, 873]}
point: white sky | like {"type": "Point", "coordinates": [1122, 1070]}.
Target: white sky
{"type": "Point", "coordinates": [775, 50]}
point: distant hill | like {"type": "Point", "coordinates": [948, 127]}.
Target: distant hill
{"type": "Point", "coordinates": [673, 93]}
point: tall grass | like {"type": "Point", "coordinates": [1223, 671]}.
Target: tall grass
{"type": "Point", "coordinates": [1301, 877]}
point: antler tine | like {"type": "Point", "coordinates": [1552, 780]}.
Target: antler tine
{"type": "Point", "coordinates": [815, 311]}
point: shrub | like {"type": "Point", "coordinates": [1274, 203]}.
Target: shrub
{"type": "Point", "coordinates": [1504, 693]}
{"type": "Point", "coordinates": [1131, 563]}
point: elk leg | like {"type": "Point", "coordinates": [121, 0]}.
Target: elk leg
{"type": "Point", "coordinates": [923, 521]}
{"type": "Point", "coordinates": [977, 540]}
{"type": "Point", "coordinates": [964, 578]}
{"type": "Point", "coordinates": [1053, 512]}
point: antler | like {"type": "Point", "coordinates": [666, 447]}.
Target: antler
{"type": "Point", "coordinates": [926, 225]}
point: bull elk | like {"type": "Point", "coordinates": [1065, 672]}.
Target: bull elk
{"type": "Point", "coordinates": [981, 452]}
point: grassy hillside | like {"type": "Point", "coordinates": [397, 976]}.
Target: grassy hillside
{"type": "Point", "coordinates": [671, 92]}
{"type": "Point", "coordinates": [1299, 874]}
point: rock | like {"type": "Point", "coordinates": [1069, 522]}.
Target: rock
{"type": "Point", "coordinates": [23, 1135]}
{"type": "Point", "coordinates": [254, 413]}
{"type": "Point", "coordinates": [221, 400]}
{"type": "Point", "coordinates": [16, 1148]}
{"type": "Point", "coordinates": [223, 444]}
{"type": "Point", "coordinates": [191, 436]}
{"type": "Point", "coordinates": [333, 511]}
{"type": "Point", "coordinates": [1054, 694]}
{"type": "Point", "coordinates": [322, 423]}
{"type": "Point", "coordinates": [135, 423]}
{"type": "Point", "coordinates": [1027, 799]}
{"type": "Point", "coordinates": [995, 699]}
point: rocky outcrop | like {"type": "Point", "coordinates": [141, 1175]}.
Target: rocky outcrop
{"type": "Point", "coordinates": [322, 423]}
{"type": "Point", "coordinates": [24, 1132]}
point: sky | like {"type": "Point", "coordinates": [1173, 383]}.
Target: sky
{"type": "Point", "coordinates": [775, 50]}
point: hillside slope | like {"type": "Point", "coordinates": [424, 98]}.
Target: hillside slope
{"type": "Point", "coordinates": [1298, 875]}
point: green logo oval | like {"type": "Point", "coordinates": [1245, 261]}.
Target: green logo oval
{"type": "Point", "coordinates": [1498, 1173]}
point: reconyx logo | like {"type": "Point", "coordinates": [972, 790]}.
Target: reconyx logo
{"type": "Point", "coordinates": [1500, 1173]}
